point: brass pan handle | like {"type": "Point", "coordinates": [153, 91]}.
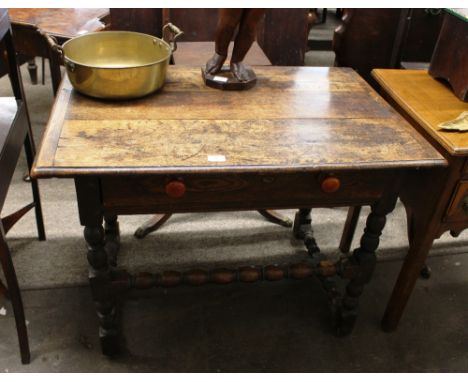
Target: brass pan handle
{"type": "Point", "coordinates": [53, 44]}
{"type": "Point", "coordinates": [174, 34]}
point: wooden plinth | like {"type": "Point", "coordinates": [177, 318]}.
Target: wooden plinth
{"type": "Point", "coordinates": [225, 80]}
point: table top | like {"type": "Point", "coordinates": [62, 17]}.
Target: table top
{"type": "Point", "coordinates": [428, 101]}
{"type": "Point", "coordinates": [294, 119]}
{"type": "Point", "coordinates": [60, 22]}
{"type": "Point", "coordinates": [199, 52]}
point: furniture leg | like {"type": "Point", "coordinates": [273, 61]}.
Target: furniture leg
{"type": "Point", "coordinates": [423, 238]}
{"type": "Point", "coordinates": [10, 220]}
{"type": "Point", "coordinates": [151, 225]}
{"type": "Point", "coordinates": [43, 70]}
{"type": "Point", "coordinates": [30, 153]}
{"type": "Point", "coordinates": [112, 238]}
{"type": "Point", "coordinates": [364, 257]}
{"type": "Point", "coordinates": [32, 69]}
{"type": "Point", "coordinates": [55, 72]}
{"type": "Point", "coordinates": [302, 230]}
{"type": "Point", "coordinates": [276, 218]}
{"type": "Point", "coordinates": [425, 272]}
{"type": "Point", "coordinates": [15, 297]}
{"type": "Point", "coordinates": [100, 278]}
{"type": "Point", "coordinates": [3, 290]}
{"type": "Point", "coordinates": [349, 228]}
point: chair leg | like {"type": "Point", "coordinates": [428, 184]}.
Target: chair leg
{"type": "Point", "coordinates": [151, 225]}
{"type": "Point", "coordinates": [32, 69]}
{"type": "Point", "coordinates": [276, 218]}
{"type": "Point", "coordinates": [10, 220]}
{"type": "Point", "coordinates": [349, 228]}
{"type": "Point", "coordinates": [16, 301]}
{"type": "Point", "coordinates": [29, 148]}
{"type": "Point", "coordinates": [3, 290]}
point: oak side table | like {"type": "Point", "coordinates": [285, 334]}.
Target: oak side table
{"type": "Point", "coordinates": [302, 138]}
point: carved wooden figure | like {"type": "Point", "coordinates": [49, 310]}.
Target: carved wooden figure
{"type": "Point", "coordinates": [239, 76]}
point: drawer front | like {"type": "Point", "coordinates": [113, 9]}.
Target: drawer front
{"type": "Point", "coordinates": [217, 192]}
{"type": "Point", "coordinates": [458, 207]}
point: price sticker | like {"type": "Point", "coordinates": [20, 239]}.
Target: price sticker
{"type": "Point", "coordinates": [216, 158]}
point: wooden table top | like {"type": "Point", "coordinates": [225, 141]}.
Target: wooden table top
{"type": "Point", "coordinates": [63, 22]}
{"type": "Point", "coordinates": [428, 101]}
{"type": "Point", "coordinates": [295, 119]}
{"type": "Point", "coordinates": [199, 52]}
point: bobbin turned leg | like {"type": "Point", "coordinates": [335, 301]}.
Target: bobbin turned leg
{"type": "Point", "coordinates": [100, 280]}
{"type": "Point", "coordinates": [112, 238]}
{"type": "Point", "coordinates": [302, 229]}
{"type": "Point", "coordinates": [100, 277]}
{"type": "Point", "coordinates": [364, 258]}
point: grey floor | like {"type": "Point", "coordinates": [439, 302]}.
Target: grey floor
{"type": "Point", "coordinates": [272, 327]}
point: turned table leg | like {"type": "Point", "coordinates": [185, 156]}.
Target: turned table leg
{"type": "Point", "coordinates": [112, 238]}
{"type": "Point", "coordinates": [364, 257]}
{"type": "Point", "coordinates": [100, 280]}
{"type": "Point", "coordinates": [302, 230]}
{"type": "Point", "coordinates": [102, 243]}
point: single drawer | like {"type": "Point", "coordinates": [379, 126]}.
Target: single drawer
{"type": "Point", "coordinates": [458, 207]}
{"type": "Point", "coordinates": [234, 191]}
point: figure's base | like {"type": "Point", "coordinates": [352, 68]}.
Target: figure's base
{"type": "Point", "coordinates": [224, 80]}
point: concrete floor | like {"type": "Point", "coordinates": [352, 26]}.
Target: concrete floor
{"type": "Point", "coordinates": [270, 327]}
{"type": "Point", "coordinates": [264, 327]}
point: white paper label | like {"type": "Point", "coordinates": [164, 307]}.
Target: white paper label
{"type": "Point", "coordinates": [216, 158]}
{"type": "Point", "coordinates": [220, 79]}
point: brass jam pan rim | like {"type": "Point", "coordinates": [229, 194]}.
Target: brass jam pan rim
{"type": "Point", "coordinates": [66, 59]}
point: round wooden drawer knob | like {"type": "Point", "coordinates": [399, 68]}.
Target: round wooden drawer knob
{"type": "Point", "coordinates": [175, 189]}
{"type": "Point", "coordinates": [331, 184]}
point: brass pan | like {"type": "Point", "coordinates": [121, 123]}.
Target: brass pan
{"type": "Point", "coordinates": [117, 64]}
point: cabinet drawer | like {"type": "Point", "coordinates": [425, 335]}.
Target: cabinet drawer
{"type": "Point", "coordinates": [215, 192]}
{"type": "Point", "coordinates": [458, 207]}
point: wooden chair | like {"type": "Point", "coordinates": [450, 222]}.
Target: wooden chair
{"type": "Point", "coordinates": [15, 130]}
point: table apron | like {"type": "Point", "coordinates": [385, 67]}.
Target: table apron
{"type": "Point", "coordinates": [224, 192]}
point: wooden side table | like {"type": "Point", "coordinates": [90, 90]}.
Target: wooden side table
{"type": "Point", "coordinates": [61, 23]}
{"type": "Point", "coordinates": [303, 137]}
{"type": "Point", "coordinates": [436, 202]}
